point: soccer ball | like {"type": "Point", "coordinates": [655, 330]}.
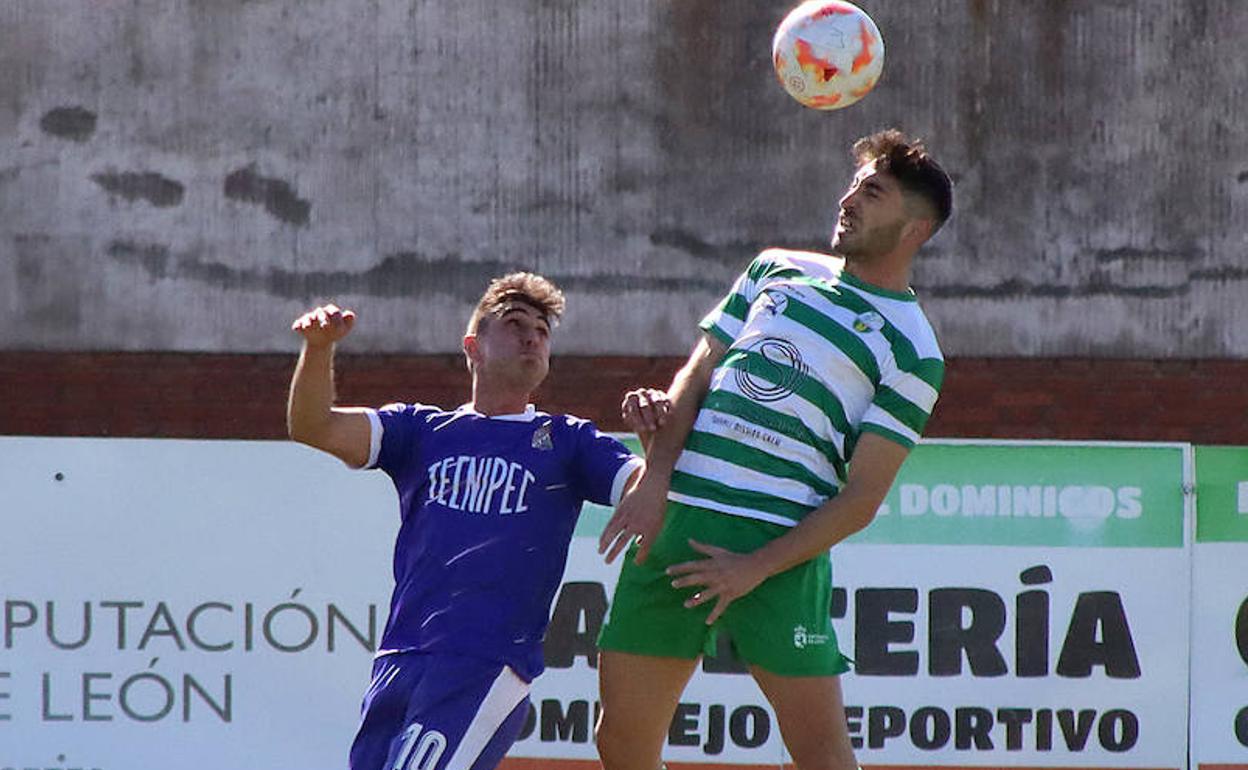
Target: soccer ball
{"type": "Point", "coordinates": [828, 54]}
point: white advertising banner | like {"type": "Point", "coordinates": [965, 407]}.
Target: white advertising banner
{"type": "Point", "coordinates": [1220, 611]}
{"type": "Point", "coordinates": [1016, 605]}
{"type": "Point", "coordinates": [192, 604]}
{"type": "Point", "coordinates": [213, 605]}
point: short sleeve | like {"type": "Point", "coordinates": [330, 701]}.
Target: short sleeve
{"type": "Point", "coordinates": [396, 433]}
{"type": "Point", "coordinates": [602, 465]}
{"type": "Point", "coordinates": [904, 402]}
{"type": "Point", "coordinates": [727, 320]}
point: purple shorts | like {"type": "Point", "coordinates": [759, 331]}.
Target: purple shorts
{"type": "Point", "coordinates": [438, 712]}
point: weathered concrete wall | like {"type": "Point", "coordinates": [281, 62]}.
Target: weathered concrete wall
{"type": "Point", "coordinates": [189, 175]}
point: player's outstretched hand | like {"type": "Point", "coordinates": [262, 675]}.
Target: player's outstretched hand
{"type": "Point", "coordinates": [324, 325]}
{"type": "Point", "coordinates": [639, 515]}
{"type": "Point", "coordinates": [645, 409]}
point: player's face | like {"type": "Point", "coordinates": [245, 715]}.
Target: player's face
{"type": "Point", "coordinates": [515, 347]}
{"type": "Point", "coordinates": [872, 215]}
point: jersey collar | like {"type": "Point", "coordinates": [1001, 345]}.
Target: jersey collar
{"type": "Point", "coordinates": [528, 415]}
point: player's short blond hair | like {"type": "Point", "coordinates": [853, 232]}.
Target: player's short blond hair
{"type": "Point", "coordinates": [530, 289]}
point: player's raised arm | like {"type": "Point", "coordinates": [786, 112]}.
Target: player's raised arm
{"type": "Point", "coordinates": [641, 512]}
{"type": "Point", "coordinates": [310, 414]}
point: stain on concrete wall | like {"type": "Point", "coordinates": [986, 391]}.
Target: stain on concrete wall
{"type": "Point", "coordinates": [184, 175]}
{"type": "Point", "coordinates": [141, 185]}
{"type": "Point", "coordinates": [73, 123]}
{"type": "Point", "coordinates": [274, 195]}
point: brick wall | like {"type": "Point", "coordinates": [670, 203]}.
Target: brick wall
{"type": "Point", "coordinates": [243, 396]}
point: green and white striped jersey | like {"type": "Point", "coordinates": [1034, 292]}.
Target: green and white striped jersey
{"type": "Point", "coordinates": [815, 358]}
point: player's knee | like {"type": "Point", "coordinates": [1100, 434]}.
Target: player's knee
{"type": "Point", "coordinates": [609, 742]}
{"type": "Point", "coordinates": [616, 748]}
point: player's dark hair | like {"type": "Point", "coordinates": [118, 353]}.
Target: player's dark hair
{"type": "Point", "coordinates": [909, 162]}
{"type": "Point", "coordinates": [528, 288]}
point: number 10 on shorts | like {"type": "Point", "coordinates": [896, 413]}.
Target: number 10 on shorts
{"type": "Point", "coordinates": [421, 751]}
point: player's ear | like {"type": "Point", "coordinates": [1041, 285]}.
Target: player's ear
{"type": "Point", "coordinates": [917, 231]}
{"type": "Point", "coordinates": [472, 350]}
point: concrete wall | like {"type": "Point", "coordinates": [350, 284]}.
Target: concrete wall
{"type": "Point", "coordinates": [188, 175]}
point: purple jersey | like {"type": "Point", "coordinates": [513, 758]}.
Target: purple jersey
{"type": "Point", "coordinates": [488, 507]}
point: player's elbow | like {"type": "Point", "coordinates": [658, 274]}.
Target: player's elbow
{"type": "Point", "coordinates": [863, 517]}
{"type": "Point", "coordinates": [345, 434]}
{"type": "Point", "coordinates": [862, 509]}
{"type": "Point", "coordinates": [295, 434]}
{"type": "Point", "coordinates": [305, 431]}
{"type": "Point", "coordinates": [707, 357]}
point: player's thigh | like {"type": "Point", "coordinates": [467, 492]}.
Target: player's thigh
{"type": "Point", "coordinates": [811, 713]}
{"type": "Point", "coordinates": [784, 624]}
{"type": "Point", "coordinates": [639, 694]}
{"type": "Point", "coordinates": [459, 714]}
{"type": "Point", "coordinates": [383, 712]}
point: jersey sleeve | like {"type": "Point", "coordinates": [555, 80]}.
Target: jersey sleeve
{"type": "Point", "coordinates": [395, 436]}
{"type": "Point", "coordinates": [728, 318]}
{"type": "Point", "coordinates": [602, 465]}
{"type": "Point", "coordinates": [904, 401]}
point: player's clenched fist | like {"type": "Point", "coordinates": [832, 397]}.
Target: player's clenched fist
{"type": "Point", "coordinates": [324, 325]}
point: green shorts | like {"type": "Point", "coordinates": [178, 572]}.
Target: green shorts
{"type": "Point", "coordinates": [782, 626]}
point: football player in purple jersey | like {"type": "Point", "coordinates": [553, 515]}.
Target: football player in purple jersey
{"type": "Point", "coordinates": [489, 494]}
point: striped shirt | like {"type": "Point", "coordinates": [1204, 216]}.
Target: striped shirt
{"type": "Point", "coordinates": [815, 358]}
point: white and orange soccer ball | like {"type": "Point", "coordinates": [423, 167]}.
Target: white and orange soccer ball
{"type": "Point", "coordinates": [828, 54]}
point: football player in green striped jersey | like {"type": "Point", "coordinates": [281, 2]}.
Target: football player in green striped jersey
{"type": "Point", "coordinates": [785, 430]}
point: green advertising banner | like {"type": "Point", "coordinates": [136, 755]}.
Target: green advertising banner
{"type": "Point", "coordinates": [1222, 494]}
{"type": "Point", "coordinates": [1025, 494]}
{"type": "Point", "coordinates": [1036, 494]}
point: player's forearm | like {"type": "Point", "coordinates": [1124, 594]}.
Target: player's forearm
{"type": "Point", "coordinates": [686, 392]}
{"type": "Point", "coordinates": [821, 529]}
{"type": "Point", "coordinates": [874, 468]}
{"type": "Point", "coordinates": [309, 408]}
